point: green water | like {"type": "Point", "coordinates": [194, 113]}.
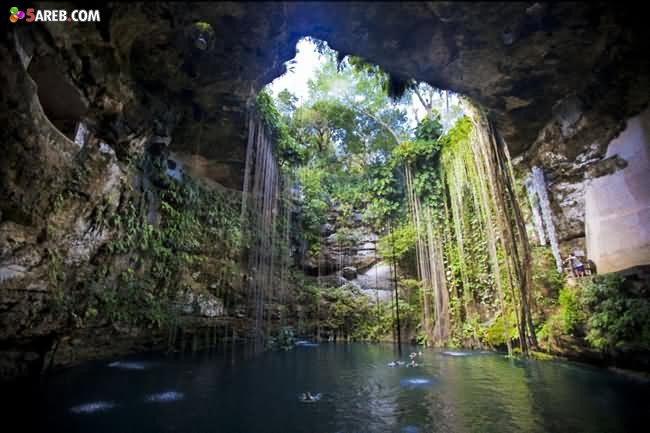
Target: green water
{"type": "Point", "coordinates": [226, 391]}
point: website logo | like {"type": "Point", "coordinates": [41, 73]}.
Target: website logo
{"type": "Point", "coordinates": [54, 15]}
{"type": "Point", "coordinates": [16, 14]}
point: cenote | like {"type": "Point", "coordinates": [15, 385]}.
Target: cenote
{"type": "Point", "coordinates": [225, 217]}
{"type": "Point", "coordinates": [226, 391]}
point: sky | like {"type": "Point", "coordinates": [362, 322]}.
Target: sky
{"type": "Point", "coordinates": [307, 61]}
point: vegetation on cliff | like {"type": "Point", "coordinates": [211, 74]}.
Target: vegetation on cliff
{"type": "Point", "coordinates": [452, 214]}
{"type": "Point", "coordinates": [165, 230]}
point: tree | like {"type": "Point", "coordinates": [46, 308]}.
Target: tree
{"type": "Point", "coordinates": [286, 103]}
{"type": "Point", "coordinates": [443, 103]}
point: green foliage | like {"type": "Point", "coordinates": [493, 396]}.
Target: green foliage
{"type": "Point", "coordinates": [339, 141]}
{"type": "Point", "coordinates": [497, 334]}
{"type": "Point", "coordinates": [395, 245]}
{"type": "Point", "coordinates": [315, 203]}
{"type": "Point", "coordinates": [494, 334]}
{"type": "Point", "coordinates": [415, 151]}
{"type": "Point", "coordinates": [571, 312]}
{"type": "Point", "coordinates": [459, 134]}
{"type": "Point", "coordinates": [354, 315]}
{"type": "Point", "coordinates": [135, 300]}
{"type": "Point", "coordinates": [284, 340]}
{"type": "Point", "coordinates": [423, 155]}
{"type": "Point", "coordinates": [429, 129]}
{"type": "Point", "coordinates": [546, 279]}
{"type": "Point", "coordinates": [56, 277]}
{"type": "Point", "coordinates": [346, 237]}
{"type": "Point", "coordinates": [328, 122]}
{"type": "Point", "coordinates": [349, 144]}
{"type": "Point", "coordinates": [384, 194]}
{"type": "Point", "coordinates": [286, 103]}
{"type": "Point", "coordinates": [194, 223]}
{"type": "Point", "coordinates": [204, 27]}
{"type": "Point", "coordinates": [611, 312]}
{"type": "Point", "coordinates": [618, 312]}
{"type": "Point", "coordinates": [267, 110]}
{"type": "Point", "coordinates": [472, 331]}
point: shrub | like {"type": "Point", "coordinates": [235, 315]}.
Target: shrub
{"type": "Point", "coordinates": [619, 312]}
{"type": "Point", "coordinates": [497, 332]}
{"type": "Point", "coordinates": [551, 331]}
{"type": "Point", "coordinates": [571, 313]}
{"type": "Point", "coordinates": [545, 275]}
{"type": "Point", "coordinates": [283, 340]}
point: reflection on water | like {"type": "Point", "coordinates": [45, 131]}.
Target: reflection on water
{"type": "Point", "coordinates": [456, 353]}
{"type": "Point", "coordinates": [128, 365]}
{"type": "Point", "coordinates": [305, 343]}
{"type": "Point", "coordinates": [416, 382]}
{"type": "Point", "coordinates": [233, 391]}
{"type": "Point", "coordinates": [165, 396]}
{"type": "Point", "coordinates": [92, 407]}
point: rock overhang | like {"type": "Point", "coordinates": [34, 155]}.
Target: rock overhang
{"type": "Point", "coordinates": [517, 60]}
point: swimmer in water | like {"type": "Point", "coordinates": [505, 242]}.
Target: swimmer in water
{"type": "Point", "coordinates": [307, 396]}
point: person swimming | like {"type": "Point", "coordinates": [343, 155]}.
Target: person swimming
{"type": "Point", "coordinates": [308, 397]}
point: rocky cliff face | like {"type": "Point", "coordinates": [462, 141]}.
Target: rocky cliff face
{"type": "Point", "coordinates": [617, 208]}
{"type": "Point", "coordinates": [558, 79]}
{"type": "Point", "coordinates": [347, 246]}
{"type": "Point", "coordinates": [64, 260]}
{"type": "Point", "coordinates": [348, 256]}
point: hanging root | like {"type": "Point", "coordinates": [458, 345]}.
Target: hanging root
{"type": "Point", "coordinates": [396, 87]}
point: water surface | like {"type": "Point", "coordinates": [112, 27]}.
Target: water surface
{"type": "Point", "coordinates": [229, 391]}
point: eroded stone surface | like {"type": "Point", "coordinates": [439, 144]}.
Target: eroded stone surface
{"type": "Point", "coordinates": [200, 304]}
{"type": "Point", "coordinates": [618, 205]}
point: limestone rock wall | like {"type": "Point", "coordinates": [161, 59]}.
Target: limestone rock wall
{"type": "Point", "coordinates": [347, 247]}
{"type": "Point", "coordinates": [617, 208]}
{"type": "Point", "coordinates": [58, 193]}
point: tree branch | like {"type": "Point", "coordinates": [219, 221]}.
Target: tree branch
{"type": "Point", "coordinates": [382, 123]}
{"type": "Point", "coordinates": [428, 106]}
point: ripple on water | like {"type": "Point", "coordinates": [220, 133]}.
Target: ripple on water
{"type": "Point", "coordinates": [305, 343]}
{"type": "Point", "coordinates": [97, 406]}
{"type": "Point", "coordinates": [416, 382]}
{"type": "Point", "coordinates": [409, 429]}
{"type": "Point", "coordinates": [128, 365]}
{"type": "Point", "coordinates": [451, 353]}
{"type": "Point", "coordinates": [165, 396]}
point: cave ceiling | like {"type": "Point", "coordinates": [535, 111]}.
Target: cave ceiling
{"type": "Point", "coordinates": [517, 60]}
